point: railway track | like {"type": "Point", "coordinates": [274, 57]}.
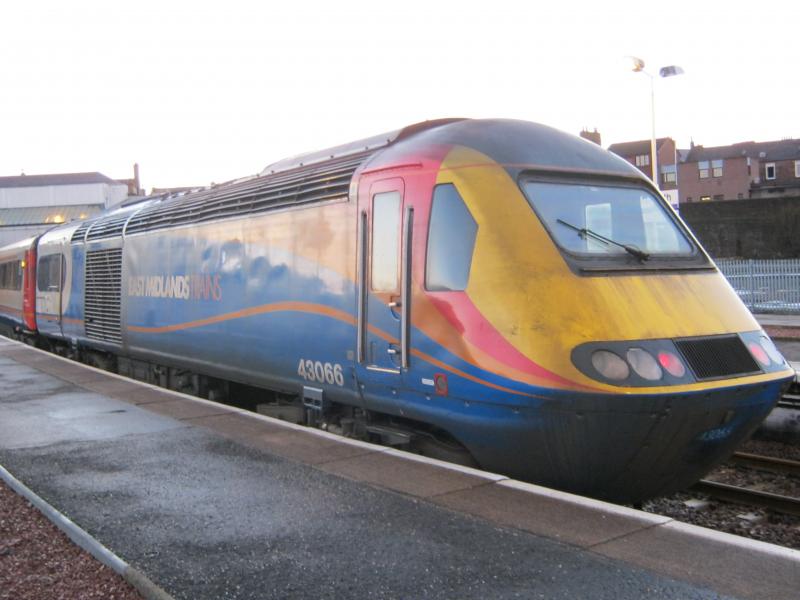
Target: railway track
{"type": "Point", "coordinates": [731, 493]}
{"type": "Point", "coordinates": [751, 497]}
{"type": "Point", "coordinates": [767, 463]}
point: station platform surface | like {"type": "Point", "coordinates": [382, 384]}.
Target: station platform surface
{"type": "Point", "coordinates": [211, 501]}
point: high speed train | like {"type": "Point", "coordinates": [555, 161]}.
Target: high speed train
{"type": "Point", "coordinates": [493, 292]}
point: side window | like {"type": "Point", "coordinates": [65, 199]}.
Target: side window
{"type": "Point", "coordinates": [11, 275]}
{"type": "Point", "coordinates": [451, 240]}
{"type": "Point", "coordinates": [385, 241]}
{"type": "Point", "coordinates": [50, 274]}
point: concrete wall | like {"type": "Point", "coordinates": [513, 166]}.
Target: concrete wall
{"type": "Point", "coordinates": [768, 228]}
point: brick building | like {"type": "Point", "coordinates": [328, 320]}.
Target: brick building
{"type": "Point", "coordinates": [736, 172]}
{"type": "Point", "coordinates": [639, 154]}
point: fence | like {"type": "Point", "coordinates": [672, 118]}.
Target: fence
{"type": "Point", "coordinates": [765, 286]}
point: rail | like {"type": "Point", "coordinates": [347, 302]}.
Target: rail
{"type": "Point", "coordinates": [739, 495]}
{"type": "Point", "coordinates": [769, 463]}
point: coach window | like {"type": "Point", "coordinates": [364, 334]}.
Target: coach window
{"type": "Point", "coordinates": [50, 274]}
{"type": "Point", "coordinates": [385, 241]}
{"type": "Point", "coordinates": [11, 275]}
{"type": "Point", "coordinates": [451, 240]}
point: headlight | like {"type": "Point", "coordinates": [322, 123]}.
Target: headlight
{"type": "Point", "coordinates": [644, 365]}
{"type": "Point", "coordinates": [609, 365]}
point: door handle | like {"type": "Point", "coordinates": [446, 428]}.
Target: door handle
{"type": "Point", "coordinates": [392, 350]}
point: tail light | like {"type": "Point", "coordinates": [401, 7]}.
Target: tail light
{"type": "Point", "coordinates": [672, 364]}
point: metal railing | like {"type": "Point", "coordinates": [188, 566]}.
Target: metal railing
{"type": "Point", "coordinates": [765, 286]}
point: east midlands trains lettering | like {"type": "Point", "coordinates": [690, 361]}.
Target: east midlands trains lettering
{"type": "Point", "coordinates": [185, 287]}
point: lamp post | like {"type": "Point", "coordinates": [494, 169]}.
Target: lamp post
{"type": "Point", "coordinates": [637, 65]}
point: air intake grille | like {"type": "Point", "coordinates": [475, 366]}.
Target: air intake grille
{"type": "Point", "coordinates": [319, 182]}
{"type": "Point", "coordinates": [103, 287]}
{"type": "Point", "coordinates": [718, 356]}
{"type": "Point", "coordinates": [80, 232]}
{"type": "Point", "coordinates": [108, 227]}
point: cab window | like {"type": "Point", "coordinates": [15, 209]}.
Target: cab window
{"type": "Point", "coordinates": [601, 220]}
{"type": "Point", "coordinates": [50, 273]}
{"type": "Point", "coordinates": [451, 241]}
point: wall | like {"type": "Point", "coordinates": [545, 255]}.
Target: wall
{"type": "Point", "coordinates": [746, 228]}
{"type": "Point", "coordinates": [63, 195]}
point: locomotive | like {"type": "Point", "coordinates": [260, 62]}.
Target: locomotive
{"type": "Point", "coordinates": [492, 292]}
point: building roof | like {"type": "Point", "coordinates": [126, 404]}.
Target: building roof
{"type": "Point", "coordinates": [46, 215]}
{"type": "Point", "coordinates": [19, 181]}
{"type": "Point", "coordinates": [635, 148]}
{"type": "Point", "coordinates": [776, 150]}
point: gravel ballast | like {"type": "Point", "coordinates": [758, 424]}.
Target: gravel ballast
{"type": "Point", "coordinates": [39, 562]}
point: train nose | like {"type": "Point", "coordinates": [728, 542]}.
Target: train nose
{"type": "Point", "coordinates": [630, 448]}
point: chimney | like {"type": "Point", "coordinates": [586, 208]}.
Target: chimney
{"type": "Point", "coordinates": [136, 179]}
{"type": "Point", "coordinates": [592, 136]}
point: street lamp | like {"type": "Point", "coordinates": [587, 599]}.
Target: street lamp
{"type": "Point", "coordinates": [637, 65]}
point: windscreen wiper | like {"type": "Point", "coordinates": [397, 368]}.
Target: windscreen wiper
{"type": "Point", "coordinates": [586, 232]}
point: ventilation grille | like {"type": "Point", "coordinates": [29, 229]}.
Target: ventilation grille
{"type": "Point", "coordinates": [80, 232]}
{"type": "Point", "coordinates": [108, 228]}
{"type": "Point", "coordinates": [319, 182]}
{"type": "Point", "coordinates": [718, 356]}
{"type": "Point", "coordinates": [103, 287]}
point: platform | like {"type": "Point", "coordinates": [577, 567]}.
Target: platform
{"type": "Point", "coordinates": [215, 502]}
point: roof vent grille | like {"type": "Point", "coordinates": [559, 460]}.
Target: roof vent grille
{"type": "Point", "coordinates": [319, 182]}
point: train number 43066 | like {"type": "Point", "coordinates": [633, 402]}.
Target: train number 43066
{"type": "Point", "coordinates": [322, 372]}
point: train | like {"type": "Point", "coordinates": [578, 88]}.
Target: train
{"type": "Point", "coordinates": [492, 292]}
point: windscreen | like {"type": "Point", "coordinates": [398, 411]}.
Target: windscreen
{"type": "Point", "coordinates": [607, 220]}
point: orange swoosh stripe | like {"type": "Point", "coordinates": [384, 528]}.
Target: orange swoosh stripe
{"type": "Point", "coordinates": [460, 373]}
{"type": "Point", "coordinates": [318, 309]}
{"type": "Point", "coordinates": [308, 307]}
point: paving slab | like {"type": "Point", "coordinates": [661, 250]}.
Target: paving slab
{"type": "Point", "coordinates": [184, 409]}
{"type": "Point", "coordinates": [401, 475]}
{"type": "Point", "coordinates": [694, 554]}
{"type": "Point", "coordinates": [550, 516]}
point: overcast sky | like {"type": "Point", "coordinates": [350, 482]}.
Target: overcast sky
{"type": "Point", "coordinates": [208, 91]}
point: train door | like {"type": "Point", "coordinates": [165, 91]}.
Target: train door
{"type": "Point", "coordinates": [384, 289]}
{"type": "Point", "coordinates": [50, 275]}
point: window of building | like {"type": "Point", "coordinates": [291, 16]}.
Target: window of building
{"type": "Point", "coordinates": [385, 241]}
{"type": "Point", "coordinates": [11, 275]}
{"type": "Point", "coordinates": [50, 273]}
{"type": "Point", "coordinates": [769, 169]}
{"type": "Point", "coordinates": [716, 168]}
{"type": "Point", "coordinates": [670, 177]}
{"type": "Point", "coordinates": [705, 198]}
{"type": "Point", "coordinates": [797, 168]}
{"type": "Point", "coordinates": [642, 160]}
{"type": "Point", "coordinates": [451, 240]}
{"type": "Point", "coordinates": [702, 167]}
